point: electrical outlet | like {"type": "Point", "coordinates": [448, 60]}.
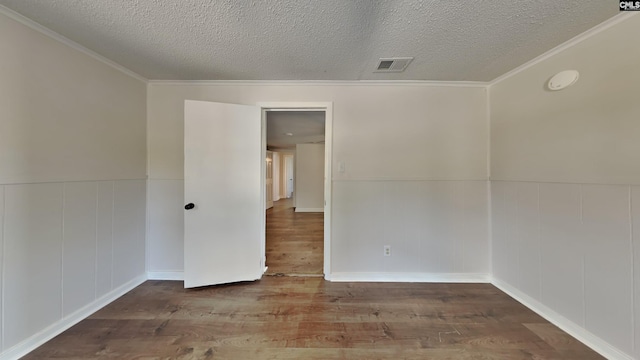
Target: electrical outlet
{"type": "Point", "coordinates": [387, 250]}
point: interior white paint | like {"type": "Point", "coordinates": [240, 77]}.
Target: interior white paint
{"type": "Point", "coordinates": [224, 178]}
{"type": "Point", "coordinates": [1, 268]}
{"type": "Point", "coordinates": [443, 140]}
{"type": "Point", "coordinates": [433, 227]}
{"type": "Point", "coordinates": [289, 174]}
{"type": "Point", "coordinates": [270, 40]}
{"type": "Point", "coordinates": [587, 133]}
{"type": "Point", "coordinates": [310, 178]}
{"type": "Point", "coordinates": [596, 222]}
{"type": "Point", "coordinates": [49, 89]}
{"type": "Point", "coordinates": [424, 126]}
{"type": "Point", "coordinates": [72, 130]}
{"type": "Point", "coordinates": [564, 168]}
{"type": "Point", "coordinates": [276, 176]}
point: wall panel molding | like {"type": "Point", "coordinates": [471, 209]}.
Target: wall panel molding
{"type": "Point", "coordinates": [567, 251]}
{"type": "Point", "coordinates": [573, 329]}
{"type": "Point", "coordinates": [62, 239]}
{"type": "Point", "coordinates": [31, 343]}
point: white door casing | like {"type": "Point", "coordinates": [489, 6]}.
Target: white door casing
{"type": "Point", "coordinates": [223, 169]}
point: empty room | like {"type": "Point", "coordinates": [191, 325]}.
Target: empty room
{"type": "Point", "coordinates": [476, 179]}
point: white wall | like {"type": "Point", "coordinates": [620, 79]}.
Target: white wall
{"type": "Point", "coordinates": [276, 176]}
{"type": "Point", "coordinates": [391, 135]}
{"type": "Point", "coordinates": [309, 178]}
{"type": "Point", "coordinates": [283, 172]}
{"type": "Point", "coordinates": [72, 185]}
{"type": "Point", "coordinates": [435, 228]}
{"type": "Point", "coordinates": [565, 168]}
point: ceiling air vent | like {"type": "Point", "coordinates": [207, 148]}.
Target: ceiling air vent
{"type": "Point", "coordinates": [396, 64]}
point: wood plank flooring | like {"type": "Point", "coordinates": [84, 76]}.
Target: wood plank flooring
{"type": "Point", "coordinates": [295, 241]}
{"type": "Point", "coordinates": [309, 318]}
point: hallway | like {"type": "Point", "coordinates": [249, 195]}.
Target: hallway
{"type": "Point", "coordinates": [295, 241]}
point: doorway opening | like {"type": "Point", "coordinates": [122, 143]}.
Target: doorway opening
{"type": "Point", "coordinates": [296, 184]}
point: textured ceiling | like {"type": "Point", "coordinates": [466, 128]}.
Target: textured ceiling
{"type": "Point", "coordinates": [306, 127]}
{"type": "Point", "coordinates": [317, 39]}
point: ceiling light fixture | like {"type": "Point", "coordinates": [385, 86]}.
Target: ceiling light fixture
{"type": "Point", "coordinates": [563, 79]}
{"type": "Point", "coordinates": [289, 134]}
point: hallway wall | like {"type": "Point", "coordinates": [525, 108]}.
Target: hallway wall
{"type": "Point", "coordinates": [309, 178]}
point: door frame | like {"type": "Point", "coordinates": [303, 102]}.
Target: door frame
{"type": "Point", "coordinates": [327, 107]}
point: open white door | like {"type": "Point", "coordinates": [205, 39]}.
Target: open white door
{"type": "Point", "coordinates": [223, 226]}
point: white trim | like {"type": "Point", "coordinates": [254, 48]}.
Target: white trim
{"type": "Point", "coordinates": [488, 120]}
{"type": "Point", "coordinates": [3, 251]}
{"type": "Point", "coordinates": [70, 43]}
{"type": "Point", "coordinates": [292, 110]}
{"type": "Point", "coordinates": [309, 210]}
{"type": "Point", "coordinates": [479, 84]}
{"type": "Point", "coordinates": [31, 343]}
{"type": "Point", "coordinates": [389, 178]}
{"type": "Point", "coordinates": [328, 185]}
{"type": "Point", "coordinates": [597, 344]}
{"type": "Point", "coordinates": [409, 277]}
{"type": "Point", "coordinates": [568, 182]}
{"type": "Point", "coordinates": [67, 181]}
{"type": "Point", "coordinates": [490, 225]}
{"type": "Point", "coordinates": [166, 275]}
{"type": "Point", "coordinates": [565, 45]}
{"type": "Point", "coordinates": [328, 136]}
{"type": "Point", "coordinates": [632, 252]}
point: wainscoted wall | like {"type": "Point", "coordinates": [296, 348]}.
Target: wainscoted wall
{"type": "Point", "coordinates": [66, 246]}
{"type": "Point", "coordinates": [437, 230]}
{"type": "Point", "coordinates": [570, 247]}
{"type": "Point", "coordinates": [72, 184]}
{"type": "Point", "coordinates": [564, 242]}
{"type": "Point", "coordinates": [391, 137]}
{"type": "Point", "coordinates": [165, 240]}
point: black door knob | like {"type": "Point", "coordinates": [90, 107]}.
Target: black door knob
{"type": "Point", "coordinates": [189, 206]}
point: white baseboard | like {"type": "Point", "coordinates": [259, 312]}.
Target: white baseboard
{"type": "Point", "coordinates": [407, 277]}
{"type": "Point", "coordinates": [298, 209]}
{"type": "Point", "coordinates": [165, 275]}
{"type": "Point", "coordinates": [26, 346]}
{"type": "Point", "coordinates": [583, 335]}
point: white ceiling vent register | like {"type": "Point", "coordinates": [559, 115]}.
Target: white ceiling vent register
{"type": "Point", "coordinates": [396, 64]}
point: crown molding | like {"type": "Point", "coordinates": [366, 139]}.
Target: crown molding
{"type": "Point", "coordinates": [72, 44]}
{"type": "Point", "coordinates": [566, 45]}
{"type": "Point", "coordinates": [475, 84]}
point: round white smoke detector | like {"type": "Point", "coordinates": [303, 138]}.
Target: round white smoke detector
{"type": "Point", "coordinates": [563, 79]}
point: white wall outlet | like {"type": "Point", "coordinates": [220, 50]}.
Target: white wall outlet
{"type": "Point", "coordinates": [341, 166]}
{"type": "Point", "coordinates": [387, 250]}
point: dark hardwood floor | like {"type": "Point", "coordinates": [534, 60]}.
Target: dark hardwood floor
{"type": "Point", "coordinates": [295, 241]}
{"type": "Point", "coordinates": [309, 318]}
{"type": "Point", "coordinates": [305, 317]}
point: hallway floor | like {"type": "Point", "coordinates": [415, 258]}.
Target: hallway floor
{"type": "Point", "coordinates": [295, 241]}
